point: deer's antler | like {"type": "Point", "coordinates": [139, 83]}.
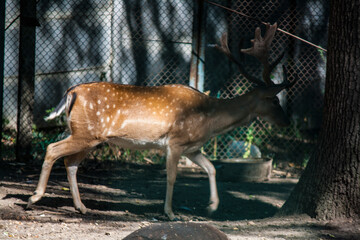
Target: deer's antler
{"type": "Point", "coordinates": [260, 50]}
{"type": "Point", "coordinates": [224, 48]}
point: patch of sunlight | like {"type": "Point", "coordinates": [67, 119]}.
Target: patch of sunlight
{"type": "Point", "coordinates": [273, 199]}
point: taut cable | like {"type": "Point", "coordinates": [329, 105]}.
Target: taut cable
{"type": "Point", "coordinates": [262, 22]}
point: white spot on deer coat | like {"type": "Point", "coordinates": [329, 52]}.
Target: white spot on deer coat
{"type": "Point", "coordinates": [135, 122]}
{"type": "Point", "coordinates": [98, 113]}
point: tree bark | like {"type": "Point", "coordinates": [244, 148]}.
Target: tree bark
{"type": "Point", "coordinates": [330, 185]}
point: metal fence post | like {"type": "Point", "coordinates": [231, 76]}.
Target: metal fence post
{"type": "Point", "coordinates": [2, 50]}
{"type": "Point", "coordinates": [197, 68]}
{"type": "Point", "coordinates": [26, 82]}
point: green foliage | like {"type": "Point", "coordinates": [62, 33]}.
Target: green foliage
{"type": "Point", "coordinates": [5, 122]}
{"type": "Point", "coordinates": [103, 77]}
{"type": "Point", "coordinates": [322, 54]}
{"type": "Point", "coordinates": [9, 137]}
{"type": "Point", "coordinates": [241, 90]}
{"type": "Point", "coordinates": [249, 140]}
{"type": "Point", "coordinates": [305, 160]}
{"type": "Point", "coordinates": [48, 111]}
{"type": "Point", "coordinates": [58, 121]}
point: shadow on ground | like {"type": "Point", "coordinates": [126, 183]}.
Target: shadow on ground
{"type": "Point", "coordinates": [128, 192]}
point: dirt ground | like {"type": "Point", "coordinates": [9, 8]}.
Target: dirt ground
{"type": "Point", "coordinates": [122, 198]}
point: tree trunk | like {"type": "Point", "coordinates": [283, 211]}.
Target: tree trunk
{"type": "Point", "coordinates": [330, 185]}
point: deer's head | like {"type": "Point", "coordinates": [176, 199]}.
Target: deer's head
{"type": "Point", "coordinates": [267, 104]}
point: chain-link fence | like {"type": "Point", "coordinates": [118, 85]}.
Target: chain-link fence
{"type": "Point", "coordinates": [303, 102]}
{"type": "Point", "coordinates": [150, 43]}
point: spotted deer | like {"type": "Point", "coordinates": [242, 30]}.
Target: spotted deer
{"type": "Point", "coordinates": [175, 118]}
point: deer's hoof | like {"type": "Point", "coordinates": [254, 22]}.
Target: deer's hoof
{"type": "Point", "coordinates": [212, 208]}
{"type": "Point", "coordinates": [33, 199]}
{"type": "Point", "coordinates": [172, 216]}
{"type": "Point", "coordinates": [82, 209]}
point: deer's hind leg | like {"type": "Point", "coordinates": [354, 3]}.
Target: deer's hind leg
{"type": "Point", "coordinates": [71, 163]}
{"type": "Point", "coordinates": [66, 147]}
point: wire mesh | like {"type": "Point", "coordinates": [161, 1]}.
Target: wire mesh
{"type": "Point", "coordinates": [303, 102]}
{"type": "Point", "coordinates": [149, 43]}
{"type": "Point", "coordinates": [9, 100]}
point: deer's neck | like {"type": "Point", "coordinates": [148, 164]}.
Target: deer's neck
{"type": "Point", "coordinates": [232, 113]}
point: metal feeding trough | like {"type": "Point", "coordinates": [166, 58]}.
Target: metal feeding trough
{"type": "Point", "coordinates": [244, 169]}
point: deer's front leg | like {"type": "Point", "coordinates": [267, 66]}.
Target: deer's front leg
{"type": "Point", "coordinates": [71, 163]}
{"type": "Point", "coordinates": [172, 159]}
{"type": "Point", "coordinates": [205, 164]}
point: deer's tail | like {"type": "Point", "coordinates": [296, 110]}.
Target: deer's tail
{"type": "Point", "coordinates": [66, 103]}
